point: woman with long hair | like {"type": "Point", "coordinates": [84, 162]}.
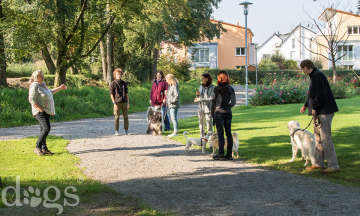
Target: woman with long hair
{"type": "Point", "coordinates": [205, 97]}
{"type": "Point", "coordinates": [158, 97]}
{"type": "Point", "coordinates": [42, 105]}
{"type": "Point", "coordinates": [221, 111]}
{"type": "Point", "coordinates": [173, 101]}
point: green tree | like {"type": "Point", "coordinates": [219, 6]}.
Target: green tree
{"type": "Point", "coordinates": [267, 64]}
{"type": "Point", "coordinates": [277, 57]}
{"type": "Point", "coordinates": [291, 64]}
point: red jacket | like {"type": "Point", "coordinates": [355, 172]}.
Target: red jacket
{"type": "Point", "coordinates": [157, 94]}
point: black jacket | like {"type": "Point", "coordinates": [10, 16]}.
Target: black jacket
{"type": "Point", "coordinates": [224, 99]}
{"type": "Point", "coordinates": [119, 89]}
{"type": "Point", "coordinates": [320, 97]}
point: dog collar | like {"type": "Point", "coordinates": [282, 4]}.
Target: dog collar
{"type": "Point", "coordinates": [205, 139]}
{"type": "Point", "coordinates": [292, 135]}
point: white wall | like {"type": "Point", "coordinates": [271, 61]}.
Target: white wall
{"type": "Point", "coordinates": [268, 47]}
{"type": "Point", "coordinates": [212, 54]}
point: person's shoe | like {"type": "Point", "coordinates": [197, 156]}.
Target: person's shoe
{"type": "Point", "coordinates": [38, 152]}
{"type": "Point", "coordinates": [172, 135]}
{"type": "Point", "coordinates": [46, 151]}
{"type": "Point", "coordinates": [228, 157]}
{"type": "Point", "coordinates": [117, 133]}
{"type": "Point", "coordinates": [313, 167]}
{"type": "Point", "coordinates": [329, 170]}
{"type": "Point", "coordinates": [127, 132]}
{"type": "Point", "coordinates": [219, 157]}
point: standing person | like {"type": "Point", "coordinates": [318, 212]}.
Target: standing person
{"type": "Point", "coordinates": [173, 101]}
{"type": "Point", "coordinates": [158, 97]}
{"type": "Point", "coordinates": [120, 98]}
{"type": "Point", "coordinates": [42, 106]}
{"type": "Point", "coordinates": [206, 95]}
{"type": "Point", "coordinates": [321, 104]}
{"type": "Point", "coordinates": [221, 110]}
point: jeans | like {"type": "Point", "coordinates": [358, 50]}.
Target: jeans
{"type": "Point", "coordinates": [224, 120]}
{"type": "Point", "coordinates": [324, 146]}
{"type": "Point", "coordinates": [173, 114]}
{"type": "Point", "coordinates": [166, 120]}
{"type": "Point", "coordinates": [123, 107]}
{"type": "Point", "coordinates": [45, 128]}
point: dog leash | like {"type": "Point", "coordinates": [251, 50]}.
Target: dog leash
{"type": "Point", "coordinates": [316, 122]}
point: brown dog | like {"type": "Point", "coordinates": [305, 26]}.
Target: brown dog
{"type": "Point", "coordinates": [215, 143]}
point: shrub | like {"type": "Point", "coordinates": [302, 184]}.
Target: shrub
{"type": "Point", "coordinates": [339, 89]}
{"type": "Point", "coordinates": [267, 64]}
{"type": "Point", "coordinates": [291, 64]}
{"type": "Point", "coordinates": [277, 57]}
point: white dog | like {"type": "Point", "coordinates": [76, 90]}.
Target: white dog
{"type": "Point", "coordinates": [215, 143]}
{"type": "Point", "coordinates": [303, 140]}
{"type": "Point", "coordinates": [196, 141]}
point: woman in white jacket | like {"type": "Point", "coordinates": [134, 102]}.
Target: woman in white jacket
{"type": "Point", "coordinates": [206, 95]}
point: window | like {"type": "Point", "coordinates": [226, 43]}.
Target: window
{"type": "Point", "coordinates": [277, 45]}
{"type": "Point", "coordinates": [293, 43]}
{"type": "Point", "coordinates": [239, 67]}
{"type": "Point", "coordinates": [353, 30]}
{"type": "Point", "coordinates": [202, 55]}
{"type": "Point", "coordinates": [347, 66]}
{"type": "Point", "coordinates": [266, 56]}
{"type": "Point", "coordinates": [292, 54]}
{"type": "Point", "coordinates": [347, 52]}
{"type": "Point", "coordinates": [239, 51]}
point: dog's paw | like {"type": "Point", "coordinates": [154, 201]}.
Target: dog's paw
{"type": "Point", "coordinates": [291, 160]}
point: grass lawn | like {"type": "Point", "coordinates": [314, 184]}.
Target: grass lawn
{"type": "Point", "coordinates": [264, 138]}
{"type": "Point", "coordinates": [17, 159]}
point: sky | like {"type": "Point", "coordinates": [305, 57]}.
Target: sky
{"type": "Point", "coordinates": [268, 16]}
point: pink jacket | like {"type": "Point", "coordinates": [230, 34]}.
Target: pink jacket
{"type": "Point", "coordinates": [157, 94]}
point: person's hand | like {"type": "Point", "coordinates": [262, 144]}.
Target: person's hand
{"type": "Point", "coordinates": [150, 103]}
{"type": "Point", "coordinates": [197, 100]}
{"type": "Point", "coordinates": [116, 107]}
{"type": "Point", "coordinates": [197, 93]}
{"type": "Point", "coordinates": [164, 100]}
{"type": "Point", "coordinates": [63, 87]}
{"type": "Point", "coordinates": [313, 112]}
{"type": "Point", "coordinates": [303, 109]}
{"type": "Point", "coordinates": [128, 105]}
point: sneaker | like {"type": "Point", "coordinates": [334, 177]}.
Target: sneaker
{"type": "Point", "coordinates": [38, 152]}
{"type": "Point", "coordinates": [329, 170]}
{"type": "Point", "coordinates": [228, 157]}
{"type": "Point", "coordinates": [117, 133]}
{"type": "Point", "coordinates": [313, 167]}
{"type": "Point", "coordinates": [219, 157]}
{"type": "Point", "coordinates": [172, 135]}
{"type": "Point", "coordinates": [46, 151]}
{"type": "Point", "coordinates": [127, 132]}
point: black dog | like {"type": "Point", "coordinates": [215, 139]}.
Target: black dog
{"type": "Point", "coordinates": [154, 125]}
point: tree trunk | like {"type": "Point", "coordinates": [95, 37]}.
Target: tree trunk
{"type": "Point", "coordinates": [3, 81]}
{"type": "Point", "coordinates": [48, 60]}
{"type": "Point", "coordinates": [154, 65]}
{"type": "Point", "coordinates": [334, 71]}
{"type": "Point", "coordinates": [109, 49]}
{"type": "Point", "coordinates": [60, 74]}
{"type": "Point", "coordinates": [103, 60]}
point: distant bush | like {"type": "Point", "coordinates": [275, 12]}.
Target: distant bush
{"type": "Point", "coordinates": [291, 64]}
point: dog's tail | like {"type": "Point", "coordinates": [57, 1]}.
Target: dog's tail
{"type": "Point", "coordinates": [185, 132]}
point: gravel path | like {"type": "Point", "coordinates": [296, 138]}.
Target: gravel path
{"type": "Point", "coordinates": [158, 170]}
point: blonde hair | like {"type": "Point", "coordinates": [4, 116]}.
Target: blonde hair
{"type": "Point", "coordinates": [171, 80]}
{"type": "Point", "coordinates": [35, 75]}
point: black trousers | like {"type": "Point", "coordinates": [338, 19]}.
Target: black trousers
{"type": "Point", "coordinates": [223, 120]}
{"type": "Point", "coordinates": [45, 128]}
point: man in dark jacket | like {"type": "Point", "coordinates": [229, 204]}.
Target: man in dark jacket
{"type": "Point", "coordinates": [321, 103]}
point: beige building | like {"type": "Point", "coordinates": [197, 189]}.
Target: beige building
{"type": "Point", "coordinates": [347, 34]}
{"type": "Point", "coordinates": [226, 52]}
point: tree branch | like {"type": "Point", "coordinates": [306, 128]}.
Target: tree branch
{"type": "Point", "coordinates": [77, 22]}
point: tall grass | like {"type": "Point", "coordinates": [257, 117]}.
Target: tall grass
{"type": "Point", "coordinates": [75, 103]}
{"type": "Point", "coordinates": [15, 70]}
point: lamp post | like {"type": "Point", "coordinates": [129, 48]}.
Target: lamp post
{"type": "Point", "coordinates": [255, 44]}
{"type": "Point", "coordinates": [246, 11]}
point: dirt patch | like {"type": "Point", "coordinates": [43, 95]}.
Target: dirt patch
{"type": "Point", "coordinates": [18, 82]}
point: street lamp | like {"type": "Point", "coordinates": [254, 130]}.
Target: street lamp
{"type": "Point", "coordinates": [246, 11]}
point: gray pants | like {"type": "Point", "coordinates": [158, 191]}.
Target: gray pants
{"type": "Point", "coordinates": [324, 146]}
{"type": "Point", "coordinates": [202, 119]}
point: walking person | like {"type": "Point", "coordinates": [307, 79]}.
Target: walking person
{"type": "Point", "coordinates": [42, 106]}
{"type": "Point", "coordinates": [173, 101]}
{"type": "Point", "coordinates": [221, 111]}
{"type": "Point", "coordinates": [120, 98]}
{"type": "Point", "coordinates": [206, 95]}
{"type": "Point", "coordinates": [321, 104]}
{"type": "Point", "coordinates": [158, 97]}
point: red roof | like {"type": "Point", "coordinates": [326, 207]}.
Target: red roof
{"type": "Point", "coordinates": [242, 27]}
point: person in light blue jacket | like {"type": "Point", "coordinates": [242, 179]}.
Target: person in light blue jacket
{"type": "Point", "coordinates": [42, 105]}
{"type": "Point", "coordinates": [173, 101]}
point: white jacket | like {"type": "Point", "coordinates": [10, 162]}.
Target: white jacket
{"type": "Point", "coordinates": [206, 96]}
